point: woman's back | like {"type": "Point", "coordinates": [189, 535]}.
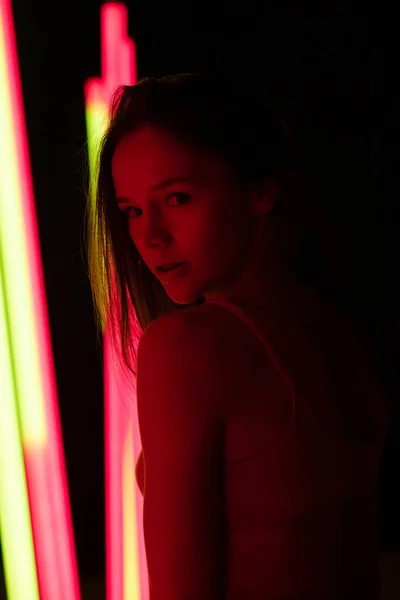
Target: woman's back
{"type": "Point", "coordinates": [302, 464]}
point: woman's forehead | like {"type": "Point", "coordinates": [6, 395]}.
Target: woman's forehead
{"type": "Point", "coordinates": [156, 148]}
{"type": "Point", "coordinates": [153, 152]}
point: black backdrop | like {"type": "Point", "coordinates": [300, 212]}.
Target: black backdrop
{"type": "Point", "coordinates": [328, 68]}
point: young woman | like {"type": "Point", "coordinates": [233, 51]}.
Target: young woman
{"type": "Point", "coordinates": [261, 418]}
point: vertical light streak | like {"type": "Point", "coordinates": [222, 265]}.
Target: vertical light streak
{"type": "Point", "coordinates": [126, 569]}
{"type": "Point", "coordinates": [29, 397]}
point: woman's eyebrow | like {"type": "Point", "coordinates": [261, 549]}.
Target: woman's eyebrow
{"type": "Point", "coordinates": [162, 184]}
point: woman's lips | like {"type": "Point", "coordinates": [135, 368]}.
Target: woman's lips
{"type": "Point", "coordinates": [165, 276]}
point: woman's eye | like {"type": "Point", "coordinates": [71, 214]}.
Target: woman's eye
{"type": "Point", "coordinates": [182, 198]}
{"type": "Point", "coordinates": [128, 214]}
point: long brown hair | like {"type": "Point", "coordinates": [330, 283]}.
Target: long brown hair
{"type": "Point", "coordinates": [209, 111]}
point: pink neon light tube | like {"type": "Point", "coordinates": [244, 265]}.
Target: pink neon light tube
{"type": "Point", "coordinates": [126, 568]}
{"type": "Point", "coordinates": [30, 344]}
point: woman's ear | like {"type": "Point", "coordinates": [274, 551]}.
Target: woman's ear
{"type": "Point", "coordinates": [265, 196]}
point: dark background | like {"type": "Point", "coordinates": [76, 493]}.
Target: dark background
{"type": "Point", "coordinates": [328, 67]}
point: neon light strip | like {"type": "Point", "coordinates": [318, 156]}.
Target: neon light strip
{"type": "Point", "coordinates": [126, 568]}
{"type": "Point", "coordinates": [33, 397]}
{"type": "Point", "coordinates": [15, 523]}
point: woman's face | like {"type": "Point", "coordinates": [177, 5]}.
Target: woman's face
{"type": "Point", "coordinates": [204, 222]}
